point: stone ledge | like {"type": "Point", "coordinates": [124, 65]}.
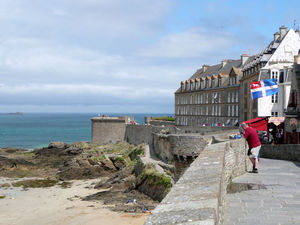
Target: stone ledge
{"type": "Point", "coordinates": [199, 195]}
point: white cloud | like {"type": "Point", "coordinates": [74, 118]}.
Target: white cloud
{"type": "Point", "coordinates": [191, 43]}
{"type": "Point", "coordinates": [65, 94]}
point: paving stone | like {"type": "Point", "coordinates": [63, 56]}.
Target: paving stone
{"type": "Point", "coordinates": [278, 204]}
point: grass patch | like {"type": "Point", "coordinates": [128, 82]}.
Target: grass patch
{"type": "Point", "coordinates": [2, 196]}
{"type": "Point", "coordinates": [35, 183]}
{"type": "Point", "coordinates": [158, 178]}
{"type": "Point", "coordinates": [164, 118]}
{"type": "Point", "coordinates": [5, 185]}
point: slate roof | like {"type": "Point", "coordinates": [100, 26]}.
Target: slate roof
{"type": "Point", "coordinates": [217, 69]}
{"type": "Point", "coordinates": [263, 56]}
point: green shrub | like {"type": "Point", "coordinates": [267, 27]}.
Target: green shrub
{"type": "Point", "coordinates": [164, 118]}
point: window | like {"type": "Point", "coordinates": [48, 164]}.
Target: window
{"type": "Point", "coordinates": [219, 81]}
{"type": "Point", "coordinates": [232, 97]}
{"type": "Point", "coordinates": [274, 74]}
{"type": "Point", "coordinates": [213, 111]}
{"type": "Point", "coordinates": [275, 98]}
{"type": "Point", "coordinates": [232, 111]}
{"type": "Point", "coordinates": [200, 99]}
{"type": "Point", "coordinates": [229, 110]}
{"type": "Point", "coordinates": [213, 83]}
{"type": "Point", "coordinates": [236, 110]}
{"type": "Point", "coordinates": [206, 98]}
{"type": "Point", "coordinates": [206, 84]}
{"type": "Point", "coordinates": [274, 114]}
{"type": "Point", "coordinates": [228, 95]}
{"type": "Point", "coordinates": [207, 110]}
{"type": "Point", "coordinates": [237, 96]}
{"type": "Point", "coordinates": [219, 110]}
{"type": "Point", "coordinates": [281, 77]}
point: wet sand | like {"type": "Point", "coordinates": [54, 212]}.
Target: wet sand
{"type": "Point", "coordinates": [55, 205]}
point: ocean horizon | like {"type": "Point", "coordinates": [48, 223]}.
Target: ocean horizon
{"type": "Point", "coordinates": [37, 130]}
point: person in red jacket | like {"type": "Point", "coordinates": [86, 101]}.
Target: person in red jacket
{"type": "Point", "coordinates": [252, 138]}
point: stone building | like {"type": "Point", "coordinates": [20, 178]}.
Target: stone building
{"type": "Point", "coordinates": [292, 113]}
{"type": "Point", "coordinates": [276, 61]}
{"type": "Point", "coordinates": [211, 96]}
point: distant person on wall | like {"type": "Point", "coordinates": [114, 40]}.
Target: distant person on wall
{"type": "Point", "coordinates": [252, 138]}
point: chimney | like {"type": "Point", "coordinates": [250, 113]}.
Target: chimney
{"type": "Point", "coordinates": [224, 62]}
{"type": "Point", "coordinates": [244, 58]}
{"type": "Point", "coordinates": [205, 67]}
{"type": "Point", "coordinates": [283, 31]}
{"type": "Point", "coordinates": [276, 36]}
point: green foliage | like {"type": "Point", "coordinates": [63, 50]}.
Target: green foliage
{"type": "Point", "coordinates": [164, 118]}
{"type": "Point", "coordinates": [2, 196]}
{"type": "Point", "coordinates": [158, 178]}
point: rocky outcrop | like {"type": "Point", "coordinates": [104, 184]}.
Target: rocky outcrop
{"type": "Point", "coordinates": [126, 172]}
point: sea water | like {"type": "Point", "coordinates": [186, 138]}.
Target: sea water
{"type": "Point", "coordinates": [36, 130]}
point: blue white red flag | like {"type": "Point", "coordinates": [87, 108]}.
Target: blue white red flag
{"type": "Point", "coordinates": [263, 88]}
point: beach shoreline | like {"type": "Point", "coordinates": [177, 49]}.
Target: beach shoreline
{"type": "Point", "coordinates": [57, 205]}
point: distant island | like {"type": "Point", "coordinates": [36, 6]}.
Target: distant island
{"type": "Point", "coordinates": [12, 113]}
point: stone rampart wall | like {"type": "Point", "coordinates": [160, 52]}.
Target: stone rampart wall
{"type": "Point", "coordinates": [138, 134]}
{"type": "Point", "coordinates": [199, 195]}
{"type": "Point", "coordinates": [107, 130]}
{"type": "Point", "coordinates": [284, 152]}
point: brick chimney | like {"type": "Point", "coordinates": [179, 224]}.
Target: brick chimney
{"type": "Point", "coordinates": [283, 31]}
{"type": "Point", "coordinates": [276, 36]}
{"type": "Point", "coordinates": [205, 67]}
{"type": "Point", "coordinates": [244, 58]}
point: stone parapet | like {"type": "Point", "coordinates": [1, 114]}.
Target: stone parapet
{"type": "Point", "coordinates": [283, 152]}
{"type": "Point", "coordinates": [199, 195]}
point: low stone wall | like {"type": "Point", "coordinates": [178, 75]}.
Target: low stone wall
{"type": "Point", "coordinates": [284, 152]}
{"type": "Point", "coordinates": [199, 195]}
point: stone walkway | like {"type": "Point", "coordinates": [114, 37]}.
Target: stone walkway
{"type": "Point", "coordinates": [274, 198]}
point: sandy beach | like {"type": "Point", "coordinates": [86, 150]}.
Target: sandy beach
{"type": "Point", "coordinates": [57, 205]}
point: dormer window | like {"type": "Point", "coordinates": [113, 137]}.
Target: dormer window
{"type": "Point", "coordinates": [213, 83]}
{"type": "Point", "coordinates": [206, 83]}
{"type": "Point", "coordinates": [219, 81]}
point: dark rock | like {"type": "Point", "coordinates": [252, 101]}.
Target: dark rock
{"type": "Point", "coordinates": [107, 164]}
{"type": "Point", "coordinates": [120, 163]}
{"type": "Point", "coordinates": [80, 169]}
{"type": "Point", "coordinates": [153, 189]}
{"type": "Point", "coordinates": [13, 163]}
{"type": "Point", "coordinates": [73, 150]}
{"type": "Point", "coordinates": [59, 145]}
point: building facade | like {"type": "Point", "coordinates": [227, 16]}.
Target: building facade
{"type": "Point", "coordinates": [211, 96]}
{"type": "Point", "coordinates": [276, 61]}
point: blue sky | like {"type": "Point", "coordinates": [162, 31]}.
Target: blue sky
{"type": "Point", "coordinates": [122, 55]}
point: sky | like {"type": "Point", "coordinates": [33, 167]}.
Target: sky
{"type": "Point", "coordinates": [123, 56]}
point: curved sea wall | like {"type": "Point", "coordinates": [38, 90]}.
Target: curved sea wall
{"type": "Point", "coordinates": [199, 195]}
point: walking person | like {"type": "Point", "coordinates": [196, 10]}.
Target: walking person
{"type": "Point", "coordinates": [254, 144]}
